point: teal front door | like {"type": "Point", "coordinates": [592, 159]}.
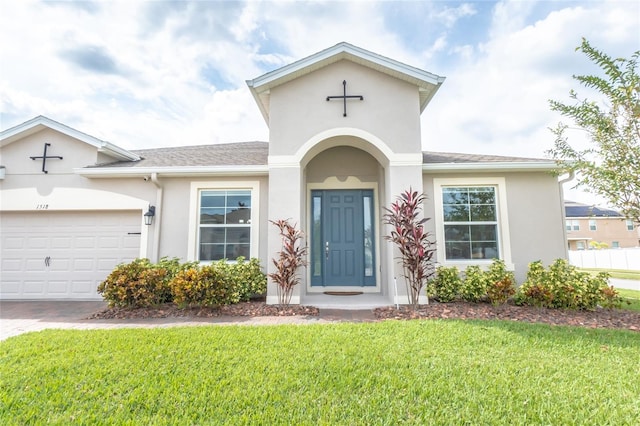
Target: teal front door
{"type": "Point", "coordinates": [342, 238]}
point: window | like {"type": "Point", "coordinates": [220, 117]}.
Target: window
{"type": "Point", "coordinates": [572, 225]}
{"type": "Point", "coordinates": [592, 225]}
{"type": "Point", "coordinates": [225, 225]}
{"type": "Point", "coordinates": [580, 245]}
{"type": "Point", "coordinates": [615, 244]}
{"type": "Point", "coordinates": [630, 226]}
{"type": "Point", "coordinates": [470, 223]}
{"type": "Point", "coordinates": [224, 221]}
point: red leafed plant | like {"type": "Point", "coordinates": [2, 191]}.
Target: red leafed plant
{"type": "Point", "coordinates": [413, 242]}
{"type": "Point", "coordinates": [290, 258]}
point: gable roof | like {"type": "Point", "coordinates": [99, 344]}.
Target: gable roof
{"type": "Point", "coordinates": [426, 82]}
{"type": "Point", "coordinates": [573, 209]}
{"type": "Point", "coordinates": [40, 123]}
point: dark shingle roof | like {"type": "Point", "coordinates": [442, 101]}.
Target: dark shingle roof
{"type": "Point", "coordinates": [228, 154]}
{"type": "Point", "coordinates": [573, 209]}
{"type": "Point", "coordinates": [455, 157]}
{"type": "Point", "coordinates": [256, 154]}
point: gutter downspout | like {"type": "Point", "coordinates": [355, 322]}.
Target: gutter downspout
{"type": "Point", "coordinates": [561, 183]}
{"type": "Point", "coordinates": [158, 221]}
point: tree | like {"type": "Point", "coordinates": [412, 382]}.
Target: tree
{"type": "Point", "coordinates": [610, 165]}
{"type": "Point", "coordinates": [416, 249]}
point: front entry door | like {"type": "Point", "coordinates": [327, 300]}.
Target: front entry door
{"type": "Point", "coordinates": [342, 238]}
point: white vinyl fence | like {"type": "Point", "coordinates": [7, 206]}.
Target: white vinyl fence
{"type": "Point", "coordinates": [628, 259]}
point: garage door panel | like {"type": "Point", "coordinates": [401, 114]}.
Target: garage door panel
{"type": "Point", "coordinates": [58, 288]}
{"type": "Point", "coordinates": [61, 242]}
{"type": "Point", "coordinates": [34, 288]}
{"type": "Point", "coordinates": [84, 242]}
{"type": "Point", "coordinates": [37, 243]}
{"type": "Point", "coordinates": [82, 249]}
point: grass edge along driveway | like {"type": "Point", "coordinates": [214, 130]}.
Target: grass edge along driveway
{"type": "Point", "coordinates": [392, 372]}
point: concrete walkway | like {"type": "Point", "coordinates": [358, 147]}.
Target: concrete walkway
{"type": "Point", "coordinates": [22, 317]}
{"type": "Point", "coordinates": [628, 284]}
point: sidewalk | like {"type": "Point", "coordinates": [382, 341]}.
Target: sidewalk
{"type": "Point", "coordinates": [23, 317]}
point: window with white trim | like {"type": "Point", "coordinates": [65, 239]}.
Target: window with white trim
{"type": "Point", "coordinates": [573, 225]}
{"type": "Point", "coordinates": [470, 223]}
{"type": "Point", "coordinates": [593, 225]}
{"type": "Point", "coordinates": [224, 224]}
{"type": "Point", "coordinates": [629, 223]}
{"type": "Point", "coordinates": [472, 220]}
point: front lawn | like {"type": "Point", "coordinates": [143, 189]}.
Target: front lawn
{"type": "Point", "coordinates": [631, 299]}
{"type": "Point", "coordinates": [392, 372]}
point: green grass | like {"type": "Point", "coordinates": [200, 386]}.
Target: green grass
{"type": "Point", "coordinates": [413, 372]}
{"type": "Point", "coordinates": [631, 299]}
{"type": "Point", "coordinates": [615, 273]}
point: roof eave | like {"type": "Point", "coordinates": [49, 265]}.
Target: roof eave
{"type": "Point", "coordinates": [41, 122]}
{"type": "Point", "coordinates": [133, 172]}
{"type": "Point", "coordinates": [515, 166]}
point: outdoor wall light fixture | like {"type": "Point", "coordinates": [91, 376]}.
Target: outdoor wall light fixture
{"type": "Point", "coordinates": [148, 216]}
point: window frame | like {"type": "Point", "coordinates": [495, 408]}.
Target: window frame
{"type": "Point", "coordinates": [593, 225]}
{"type": "Point", "coordinates": [630, 225]}
{"type": "Point", "coordinates": [503, 238]}
{"type": "Point", "coordinates": [193, 252]}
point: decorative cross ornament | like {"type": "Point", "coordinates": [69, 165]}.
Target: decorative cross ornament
{"type": "Point", "coordinates": [344, 97]}
{"type": "Point", "coordinates": [45, 156]}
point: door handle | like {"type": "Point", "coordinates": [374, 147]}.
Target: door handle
{"type": "Point", "coordinates": [326, 249]}
{"type": "Point", "coordinates": [47, 261]}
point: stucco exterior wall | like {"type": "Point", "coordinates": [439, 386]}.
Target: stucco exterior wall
{"type": "Point", "coordinates": [299, 108]}
{"type": "Point", "coordinates": [535, 219]}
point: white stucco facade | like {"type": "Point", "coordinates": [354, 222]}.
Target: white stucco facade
{"type": "Point", "coordinates": [315, 154]}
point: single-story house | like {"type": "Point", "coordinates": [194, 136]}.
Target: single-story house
{"type": "Point", "coordinates": [590, 227]}
{"type": "Point", "coordinates": [345, 141]}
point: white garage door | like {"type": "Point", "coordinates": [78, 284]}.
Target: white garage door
{"type": "Point", "coordinates": [63, 255]}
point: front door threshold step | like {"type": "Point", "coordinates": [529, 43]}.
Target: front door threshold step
{"type": "Point", "coordinates": [343, 293]}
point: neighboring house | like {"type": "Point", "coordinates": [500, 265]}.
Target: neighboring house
{"type": "Point", "coordinates": [591, 227]}
{"type": "Point", "coordinates": [331, 165]}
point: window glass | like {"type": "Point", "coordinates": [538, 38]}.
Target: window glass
{"type": "Point", "coordinates": [630, 226]}
{"type": "Point", "coordinates": [368, 235]}
{"type": "Point", "coordinates": [471, 227]}
{"type": "Point", "coordinates": [592, 225]}
{"type": "Point", "coordinates": [225, 224]}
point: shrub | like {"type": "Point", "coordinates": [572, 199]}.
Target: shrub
{"type": "Point", "coordinates": [219, 283]}
{"type": "Point", "coordinates": [248, 277]}
{"type": "Point", "coordinates": [208, 285]}
{"type": "Point", "coordinates": [610, 297]}
{"type": "Point", "coordinates": [446, 285]}
{"type": "Point", "coordinates": [412, 241]}
{"type": "Point", "coordinates": [136, 284]}
{"type": "Point", "coordinates": [290, 259]}
{"type": "Point", "coordinates": [474, 286]}
{"type": "Point", "coordinates": [500, 282]}
{"type": "Point", "coordinates": [562, 286]}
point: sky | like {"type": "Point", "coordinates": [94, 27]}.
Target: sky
{"type": "Point", "coordinates": [147, 74]}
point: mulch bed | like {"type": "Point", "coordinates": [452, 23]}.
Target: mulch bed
{"type": "Point", "coordinates": [171, 310]}
{"type": "Point", "coordinates": [599, 318]}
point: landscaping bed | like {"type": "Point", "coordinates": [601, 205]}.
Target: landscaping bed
{"type": "Point", "coordinates": [598, 318]}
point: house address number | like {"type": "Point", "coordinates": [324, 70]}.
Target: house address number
{"type": "Point", "coordinates": [42, 206]}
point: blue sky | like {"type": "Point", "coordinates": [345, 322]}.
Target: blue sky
{"type": "Point", "coordinates": [161, 73]}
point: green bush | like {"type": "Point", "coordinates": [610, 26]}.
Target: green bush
{"type": "Point", "coordinates": [220, 283]}
{"type": "Point", "coordinates": [249, 278]}
{"type": "Point", "coordinates": [474, 286]}
{"type": "Point", "coordinates": [446, 285]}
{"type": "Point", "coordinates": [563, 286]}
{"type": "Point", "coordinates": [500, 282]}
{"type": "Point", "coordinates": [136, 284]}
